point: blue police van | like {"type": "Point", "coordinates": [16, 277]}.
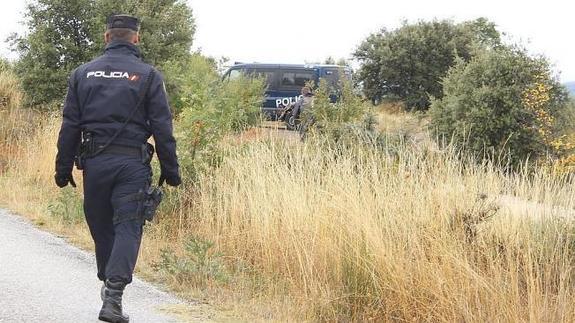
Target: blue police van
{"type": "Point", "coordinates": [284, 82]}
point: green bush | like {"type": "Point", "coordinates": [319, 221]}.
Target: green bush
{"type": "Point", "coordinates": [566, 120]}
{"type": "Point", "coordinates": [408, 63]}
{"type": "Point", "coordinates": [503, 102]}
{"type": "Point", "coordinates": [335, 120]}
{"type": "Point", "coordinates": [68, 207]}
{"type": "Point", "coordinates": [198, 265]}
{"type": "Point", "coordinates": [209, 109]}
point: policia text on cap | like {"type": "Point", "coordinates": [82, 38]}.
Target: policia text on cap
{"type": "Point", "coordinates": [114, 104]}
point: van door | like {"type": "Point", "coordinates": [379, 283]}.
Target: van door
{"type": "Point", "coordinates": [270, 76]}
{"type": "Point", "coordinates": [290, 83]}
{"type": "Point", "coordinates": [334, 76]}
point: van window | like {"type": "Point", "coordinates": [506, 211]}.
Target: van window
{"type": "Point", "coordinates": [234, 74]}
{"type": "Point", "coordinates": [268, 76]}
{"type": "Point", "coordinates": [296, 79]}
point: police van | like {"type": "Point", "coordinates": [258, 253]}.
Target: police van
{"type": "Point", "coordinates": [284, 82]}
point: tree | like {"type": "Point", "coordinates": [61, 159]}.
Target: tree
{"type": "Point", "coordinates": [58, 39]}
{"type": "Point", "coordinates": [502, 101]}
{"type": "Point", "coordinates": [340, 62]}
{"type": "Point", "coordinates": [329, 61]}
{"type": "Point", "coordinates": [63, 34]}
{"type": "Point", "coordinates": [409, 63]}
{"type": "Point", "coordinates": [167, 26]}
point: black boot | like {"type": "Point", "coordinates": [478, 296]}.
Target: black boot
{"type": "Point", "coordinates": [112, 308]}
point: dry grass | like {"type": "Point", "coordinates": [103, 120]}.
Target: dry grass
{"type": "Point", "coordinates": [393, 120]}
{"type": "Point", "coordinates": [364, 235]}
{"type": "Point", "coordinates": [321, 233]}
{"type": "Point", "coordinates": [16, 124]}
{"type": "Point", "coordinates": [10, 93]}
{"type": "Point", "coordinates": [28, 185]}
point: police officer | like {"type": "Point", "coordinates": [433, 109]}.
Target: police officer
{"type": "Point", "coordinates": [305, 102]}
{"type": "Point", "coordinates": [113, 105]}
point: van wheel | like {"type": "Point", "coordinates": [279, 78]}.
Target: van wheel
{"type": "Point", "coordinates": [292, 122]}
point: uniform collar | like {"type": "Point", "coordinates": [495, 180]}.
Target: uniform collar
{"type": "Point", "coordinates": [122, 47]}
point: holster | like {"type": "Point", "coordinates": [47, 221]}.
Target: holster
{"type": "Point", "coordinates": [87, 147]}
{"type": "Point", "coordinates": [151, 199]}
{"type": "Point", "coordinates": [148, 202]}
{"type": "Point", "coordinates": [147, 151]}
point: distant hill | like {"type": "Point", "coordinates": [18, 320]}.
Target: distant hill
{"type": "Point", "coordinates": [571, 87]}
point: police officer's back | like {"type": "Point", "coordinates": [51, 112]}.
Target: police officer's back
{"type": "Point", "coordinates": [114, 104]}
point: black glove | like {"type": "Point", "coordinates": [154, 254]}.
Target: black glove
{"type": "Point", "coordinates": [63, 180]}
{"type": "Point", "coordinates": [172, 181]}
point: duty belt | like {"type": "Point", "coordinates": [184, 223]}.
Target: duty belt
{"type": "Point", "coordinates": [122, 150]}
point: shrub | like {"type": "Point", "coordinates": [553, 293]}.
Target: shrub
{"type": "Point", "coordinates": [502, 101]}
{"type": "Point", "coordinates": [564, 144]}
{"type": "Point", "coordinates": [198, 265]}
{"type": "Point", "coordinates": [334, 119]}
{"type": "Point", "coordinates": [409, 62]}
{"type": "Point", "coordinates": [209, 109]}
{"type": "Point", "coordinates": [68, 207]}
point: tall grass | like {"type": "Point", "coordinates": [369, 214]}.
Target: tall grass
{"type": "Point", "coordinates": [16, 124]}
{"type": "Point", "coordinates": [348, 233]}
{"type": "Point", "coordinates": [360, 234]}
{"type": "Point", "coordinates": [10, 92]}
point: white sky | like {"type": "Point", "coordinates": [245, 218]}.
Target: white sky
{"type": "Point", "coordinates": [298, 31]}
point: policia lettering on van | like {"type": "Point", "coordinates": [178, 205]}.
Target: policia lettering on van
{"type": "Point", "coordinates": [284, 82]}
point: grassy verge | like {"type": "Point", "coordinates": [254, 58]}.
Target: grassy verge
{"type": "Point", "coordinates": [283, 230]}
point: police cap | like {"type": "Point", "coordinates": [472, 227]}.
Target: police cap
{"type": "Point", "coordinates": [123, 21]}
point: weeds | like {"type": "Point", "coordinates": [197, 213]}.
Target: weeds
{"type": "Point", "coordinates": [10, 92]}
{"type": "Point", "coordinates": [68, 207]}
{"type": "Point", "coordinates": [198, 265]}
{"type": "Point", "coordinates": [468, 222]}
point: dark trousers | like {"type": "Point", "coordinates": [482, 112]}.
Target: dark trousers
{"type": "Point", "coordinates": [116, 228]}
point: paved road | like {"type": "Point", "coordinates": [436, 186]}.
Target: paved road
{"type": "Point", "coordinates": [43, 279]}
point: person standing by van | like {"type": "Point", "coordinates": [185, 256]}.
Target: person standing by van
{"type": "Point", "coordinates": [305, 102]}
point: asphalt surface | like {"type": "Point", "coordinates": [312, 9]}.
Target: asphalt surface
{"type": "Point", "coordinates": [43, 279]}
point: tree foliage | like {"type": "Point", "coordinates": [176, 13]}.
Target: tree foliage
{"type": "Point", "coordinates": [63, 34]}
{"type": "Point", "coordinates": [58, 39]}
{"type": "Point", "coordinates": [409, 63]}
{"type": "Point", "coordinates": [167, 26]}
{"type": "Point", "coordinates": [340, 62]}
{"type": "Point", "coordinates": [502, 101]}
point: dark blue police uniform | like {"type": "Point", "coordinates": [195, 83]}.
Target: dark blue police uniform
{"type": "Point", "coordinates": [114, 104]}
{"type": "Point", "coordinates": [101, 96]}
